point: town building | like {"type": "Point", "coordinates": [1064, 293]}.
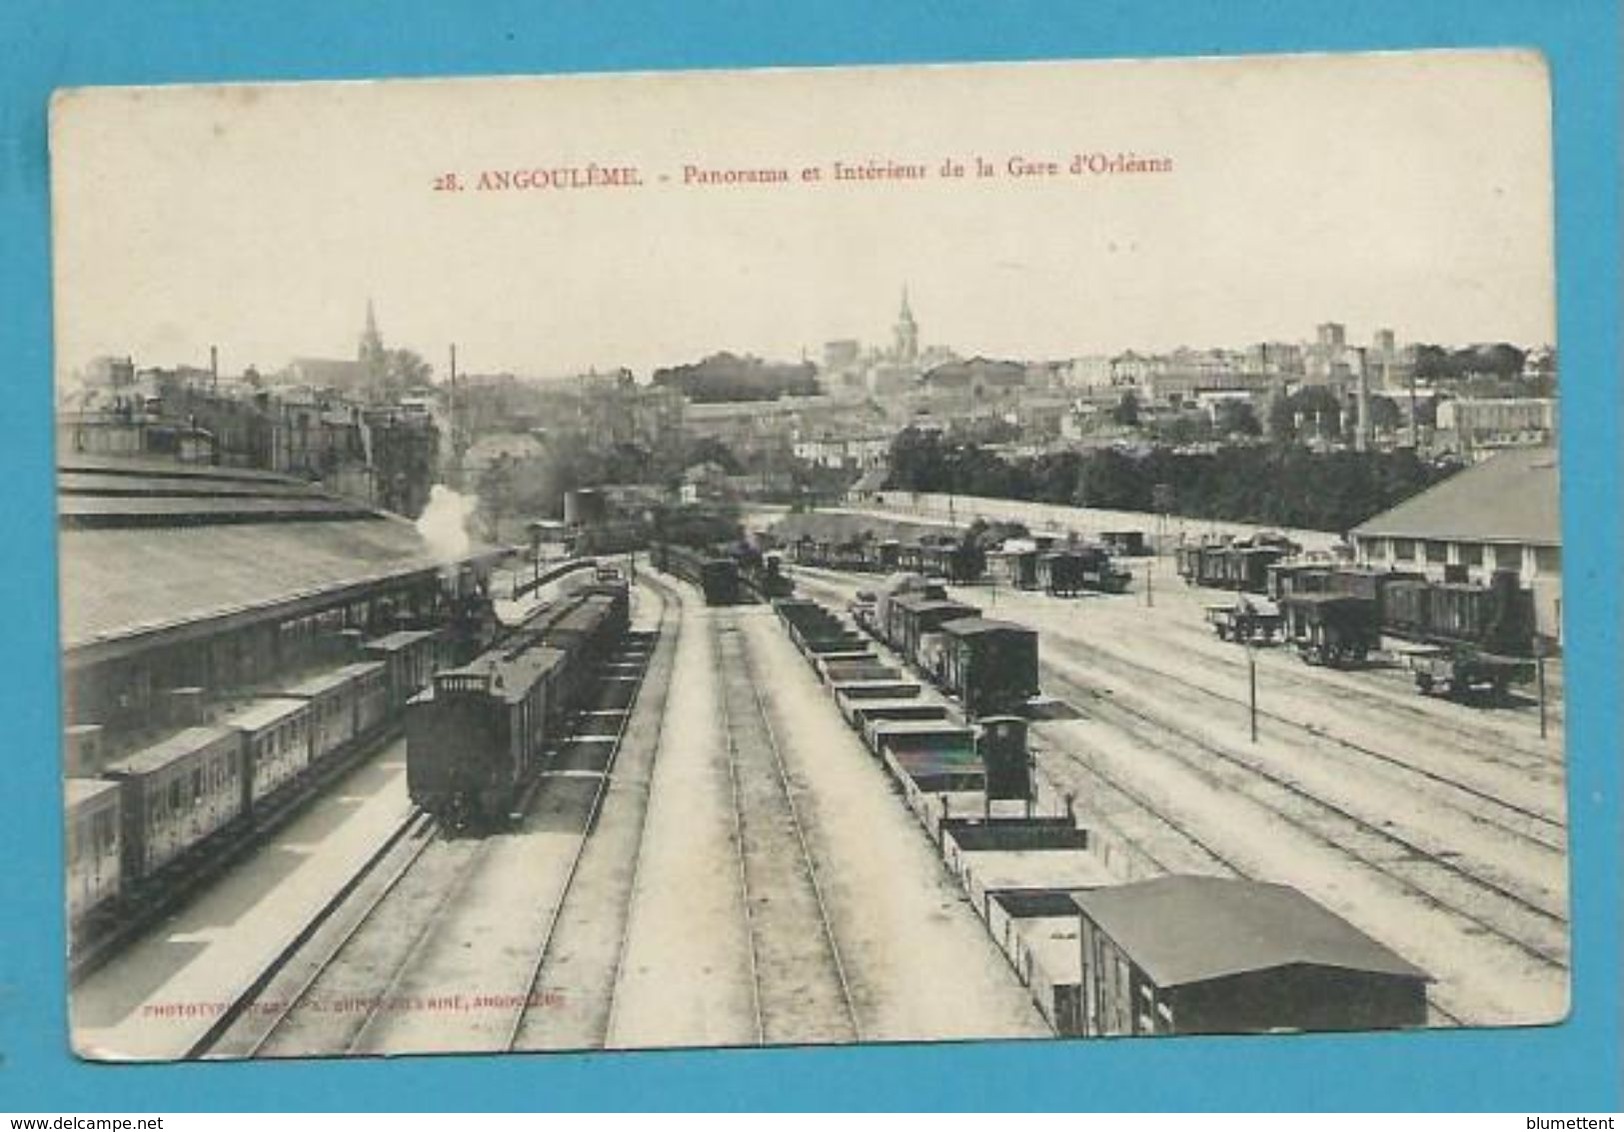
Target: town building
{"type": "Point", "coordinates": [1501, 514]}
{"type": "Point", "coordinates": [1479, 427]}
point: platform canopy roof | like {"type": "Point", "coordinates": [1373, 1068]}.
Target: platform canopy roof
{"type": "Point", "coordinates": [1512, 497]}
{"type": "Point", "coordinates": [157, 563]}
{"type": "Point", "coordinates": [1191, 929]}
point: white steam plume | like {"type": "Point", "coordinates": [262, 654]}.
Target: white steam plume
{"type": "Point", "coordinates": [444, 523]}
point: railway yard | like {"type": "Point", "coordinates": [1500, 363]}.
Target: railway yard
{"type": "Point", "coordinates": [667, 808]}
{"type": "Point", "coordinates": [1438, 827]}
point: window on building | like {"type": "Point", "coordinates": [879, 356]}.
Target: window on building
{"type": "Point", "coordinates": [1437, 552]}
{"type": "Point", "coordinates": [1470, 553]}
{"type": "Point", "coordinates": [1404, 549]}
{"type": "Point", "coordinates": [1508, 557]}
{"type": "Point", "coordinates": [1548, 559]}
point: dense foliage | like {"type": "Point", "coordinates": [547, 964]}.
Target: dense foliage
{"type": "Point", "coordinates": [728, 377]}
{"type": "Point", "coordinates": [1499, 359]}
{"type": "Point", "coordinates": [1278, 485]}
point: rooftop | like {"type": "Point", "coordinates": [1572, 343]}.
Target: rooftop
{"type": "Point", "coordinates": [256, 715]}
{"type": "Point", "coordinates": [1190, 929]}
{"type": "Point", "coordinates": [1512, 497]}
{"type": "Point", "coordinates": [161, 754]}
{"type": "Point", "coordinates": [147, 547]}
{"type": "Point", "coordinates": [981, 626]}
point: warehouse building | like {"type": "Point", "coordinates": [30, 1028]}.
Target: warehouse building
{"type": "Point", "coordinates": [1501, 514]}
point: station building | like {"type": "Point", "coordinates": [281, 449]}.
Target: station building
{"type": "Point", "coordinates": [1501, 514]}
{"type": "Point", "coordinates": [184, 584]}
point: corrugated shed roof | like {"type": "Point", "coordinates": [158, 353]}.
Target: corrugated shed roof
{"type": "Point", "coordinates": [1511, 497]}
{"type": "Point", "coordinates": [157, 510]}
{"type": "Point", "coordinates": [1190, 929]}
{"type": "Point", "coordinates": [118, 582]}
{"type": "Point", "coordinates": [116, 468]}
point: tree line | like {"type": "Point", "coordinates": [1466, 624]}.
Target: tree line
{"type": "Point", "coordinates": [1271, 485]}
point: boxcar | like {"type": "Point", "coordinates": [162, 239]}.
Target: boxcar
{"type": "Point", "coordinates": [1129, 544]}
{"type": "Point", "coordinates": [95, 865]}
{"type": "Point", "coordinates": [990, 666]}
{"type": "Point", "coordinates": [719, 579]}
{"type": "Point", "coordinates": [178, 793]}
{"type": "Point", "coordinates": [1331, 628]}
{"type": "Point", "coordinates": [1019, 568]}
{"type": "Point", "coordinates": [914, 616]}
{"type": "Point", "coordinates": [479, 731]}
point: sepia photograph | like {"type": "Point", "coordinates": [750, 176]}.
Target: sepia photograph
{"type": "Point", "coordinates": [789, 557]}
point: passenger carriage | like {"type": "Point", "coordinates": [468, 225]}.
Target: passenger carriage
{"type": "Point", "coordinates": [410, 657]}
{"type": "Point", "coordinates": [177, 794]}
{"type": "Point", "coordinates": [275, 733]}
{"type": "Point", "coordinates": [94, 848]}
{"type": "Point", "coordinates": [332, 699]}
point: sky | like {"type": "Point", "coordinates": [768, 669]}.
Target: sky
{"type": "Point", "coordinates": [1410, 191]}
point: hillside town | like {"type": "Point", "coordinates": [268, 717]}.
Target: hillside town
{"type": "Point", "coordinates": [386, 424]}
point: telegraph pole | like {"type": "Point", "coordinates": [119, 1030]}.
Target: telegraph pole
{"type": "Point", "coordinates": [1539, 668]}
{"type": "Point", "coordinates": [1251, 674]}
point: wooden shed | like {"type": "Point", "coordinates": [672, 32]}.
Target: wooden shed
{"type": "Point", "coordinates": [1205, 955]}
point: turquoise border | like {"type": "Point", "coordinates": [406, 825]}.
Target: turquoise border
{"type": "Point", "coordinates": [1570, 1067]}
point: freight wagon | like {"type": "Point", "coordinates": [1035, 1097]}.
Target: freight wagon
{"type": "Point", "coordinates": [991, 667]}
{"type": "Point", "coordinates": [479, 734]}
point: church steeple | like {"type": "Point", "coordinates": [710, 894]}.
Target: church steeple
{"type": "Point", "coordinates": [371, 353]}
{"type": "Point", "coordinates": [906, 332]}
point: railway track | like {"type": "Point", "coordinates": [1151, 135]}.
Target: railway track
{"type": "Point", "coordinates": [317, 996]}
{"type": "Point", "coordinates": [1527, 927]}
{"type": "Point", "coordinates": [345, 983]}
{"type": "Point", "coordinates": [799, 987]}
{"type": "Point", "coordinates": [1479, 810]}
{"type": "Point", "coordinates": [1542, 835]}
{"type": "Point", "coordinates": [1165, 847]}
{"type": "Point", "coordinates": [532, 1024]}
{"type": "Point", "coordinates": [1420, 875]}
{"type": "Point", "coordinates": [1519, 754]}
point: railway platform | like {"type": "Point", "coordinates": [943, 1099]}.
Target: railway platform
{"type": "Point", "coordinates": [157, 998]}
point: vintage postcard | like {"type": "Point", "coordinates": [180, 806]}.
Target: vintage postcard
{"type": "Point", "coordinates": [785, 557]}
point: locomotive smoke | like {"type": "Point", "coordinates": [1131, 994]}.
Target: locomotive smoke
{"type": "Point", "coordinates": [444, 523]}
